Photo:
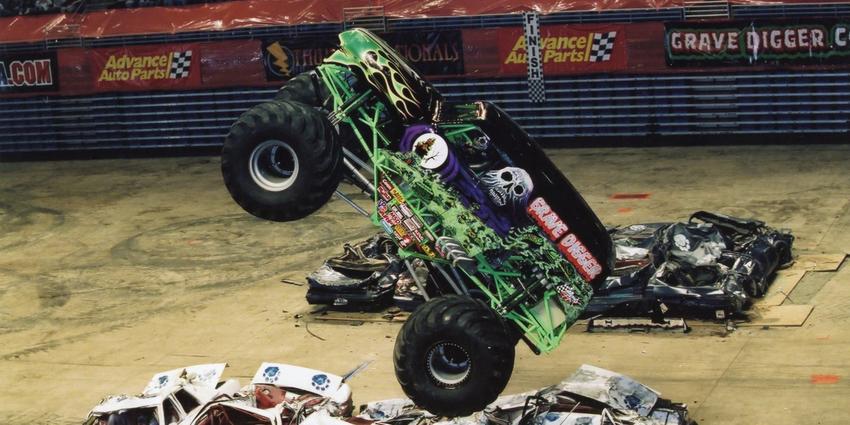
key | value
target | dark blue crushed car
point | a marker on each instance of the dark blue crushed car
(710, 267)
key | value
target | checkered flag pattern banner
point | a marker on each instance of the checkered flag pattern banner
(181, 63)
(536, 91)
(531, 30)
(603, 45)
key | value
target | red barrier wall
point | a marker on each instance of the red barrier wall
(486, 53)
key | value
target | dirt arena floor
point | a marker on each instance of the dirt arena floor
(112, 270)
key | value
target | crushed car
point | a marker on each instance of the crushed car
(711, 266)
(590, 396)
(282, 394)
(368, 276)
(279, 394)
(167, 398)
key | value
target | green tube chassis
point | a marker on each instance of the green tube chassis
(536, 272)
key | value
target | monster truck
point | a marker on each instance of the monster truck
(513, 246)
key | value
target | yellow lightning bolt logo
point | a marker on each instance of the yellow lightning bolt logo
(281, 59)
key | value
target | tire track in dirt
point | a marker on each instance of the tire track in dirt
(229, 239)
(22, 224)
(173, 268)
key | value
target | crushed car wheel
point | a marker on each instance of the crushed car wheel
(454, 355)
(281, 161)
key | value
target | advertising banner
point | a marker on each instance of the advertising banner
(29, 72)
(155, 67)
(432, 53)
(565, 49)
(232, 63)
(753, 43)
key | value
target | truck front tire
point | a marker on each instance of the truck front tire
(454, 356)
(281, 160)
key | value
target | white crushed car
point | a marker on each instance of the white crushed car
(590, 396)
(281, 394)
(167, 399)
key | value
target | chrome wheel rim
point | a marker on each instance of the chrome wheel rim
(273, 165)
(448, 364)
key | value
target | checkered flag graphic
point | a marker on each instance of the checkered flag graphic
(181, 63)
(603, 45)
(536, 91)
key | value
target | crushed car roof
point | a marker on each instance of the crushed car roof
(289, 376)
(197, 378)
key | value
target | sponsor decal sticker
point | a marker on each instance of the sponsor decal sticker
(271, 374)
(432, 150)
(399, 221)
(568, 294)
(320, 381)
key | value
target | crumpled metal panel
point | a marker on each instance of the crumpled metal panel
(591, 395)
(711, 265)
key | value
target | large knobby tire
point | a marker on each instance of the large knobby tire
(309, 89)
(281, 161)
(306, 88)
(454, 355)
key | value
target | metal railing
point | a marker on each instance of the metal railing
(587, 106)
(706, 9)
(370, 17)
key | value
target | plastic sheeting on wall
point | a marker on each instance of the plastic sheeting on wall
(255, 13)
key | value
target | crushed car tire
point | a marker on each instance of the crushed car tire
(281, 161)
(454, 355)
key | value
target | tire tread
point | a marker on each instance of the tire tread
(453, 315)
(319, 159)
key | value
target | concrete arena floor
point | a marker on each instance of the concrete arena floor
(112, 270)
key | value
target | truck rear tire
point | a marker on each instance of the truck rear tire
(454, 355)
(281, 161)
(306, 88)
